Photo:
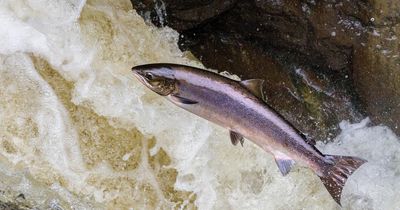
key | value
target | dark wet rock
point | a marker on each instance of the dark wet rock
(181, 14)
(313, 54)
(376, 65)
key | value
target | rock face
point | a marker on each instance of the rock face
(319, 58)
(376, 65)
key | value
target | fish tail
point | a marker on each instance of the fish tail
(336, 172)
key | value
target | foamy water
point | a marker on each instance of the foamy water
(80, 132)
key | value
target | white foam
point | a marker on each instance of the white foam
(376, 185)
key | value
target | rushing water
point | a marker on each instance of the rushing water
(77, 131)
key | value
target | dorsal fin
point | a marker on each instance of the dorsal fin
(255, 86)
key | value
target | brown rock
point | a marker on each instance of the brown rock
(311, 53)
(376, 65)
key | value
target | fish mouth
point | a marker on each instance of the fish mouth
(135, 70)
(137, 73)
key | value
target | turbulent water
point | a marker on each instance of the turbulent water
(77, 131)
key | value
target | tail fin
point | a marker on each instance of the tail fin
(336, 174)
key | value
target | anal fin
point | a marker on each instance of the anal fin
(284, 162)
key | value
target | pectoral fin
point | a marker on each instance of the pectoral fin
(284, 162)
(236, 138)
(181, 100)
(255, 86)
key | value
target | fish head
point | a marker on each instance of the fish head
(157, 77)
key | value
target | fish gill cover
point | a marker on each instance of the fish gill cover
(78, 132)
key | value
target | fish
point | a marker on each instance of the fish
(240, 106)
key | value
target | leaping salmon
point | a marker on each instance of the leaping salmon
(239, 106)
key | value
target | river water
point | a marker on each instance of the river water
(77, 131)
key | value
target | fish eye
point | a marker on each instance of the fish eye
(149, 76)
